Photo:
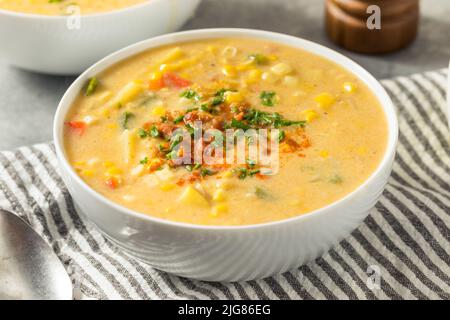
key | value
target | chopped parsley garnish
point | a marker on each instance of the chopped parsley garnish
(251, 163)
(126, 118)
(237, 124)
(154, 132)
(92, 86)
(175, 140)
(142, 133)
(244, 172)
(281, 136)
(259, 58)
(206, 172)
(191, 95)
(261, 118)
(178, 119)
(336, 179)
(268, 98)
(144, 161)
(262, 193)
(219, 96)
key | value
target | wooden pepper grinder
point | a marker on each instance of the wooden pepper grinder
(372, 26)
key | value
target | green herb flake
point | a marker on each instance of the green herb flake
(154, 132)
(191, 95)
(92, 86)
(336, 179)
(261, 193)
(142, 133)
(259, 58)
(144, 161)
(178, 119)
(206, 172)
(281, 136)
(268, 98)
(126, 118)
(251, 163)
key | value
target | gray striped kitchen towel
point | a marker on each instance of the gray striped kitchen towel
(401, 251)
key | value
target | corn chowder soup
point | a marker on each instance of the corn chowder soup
(65, 7)
(119, 137)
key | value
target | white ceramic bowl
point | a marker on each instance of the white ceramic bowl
(46, 44)
(227, 253)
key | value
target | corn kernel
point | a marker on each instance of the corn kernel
(310, 115)
(362, 151)
(219, 195)
(225, 184)
(245, 66)
(112, 171)
(233, 97)
(212, 49)
(325, 100)
(89, 120)
(167, 187)
(156, 75)
(290, 81)
(87, 173)
(104, 112)
(219, 209)
(282, 69)
(108, 164)
(253, 76)
(137, 171)
(79, 163)
(349, 87)
(128, 92)
(270, 77)
(324, 154)
(229, 71)
(159, 111)
(194, 197)
(172, 55)
(166, 67)
(227, 174)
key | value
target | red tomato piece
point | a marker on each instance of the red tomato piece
(172, 80)
(112, 182)
(78, 126)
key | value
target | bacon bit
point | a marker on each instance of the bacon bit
(154, 165)
(155, 85)
(195, 176)
(180, 182)
(239, 116)
(78, 126)
(166, 129)
(170, 79)
(112, 182)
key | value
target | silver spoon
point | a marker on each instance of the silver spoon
(29, 269)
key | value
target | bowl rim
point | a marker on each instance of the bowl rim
(178, 37)
(19, 14)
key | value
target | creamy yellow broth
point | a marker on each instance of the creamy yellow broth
(63, 7)
(338, 143)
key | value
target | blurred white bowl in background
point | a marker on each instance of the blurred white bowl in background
(54, 44)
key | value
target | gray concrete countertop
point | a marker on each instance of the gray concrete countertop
(28, 101)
